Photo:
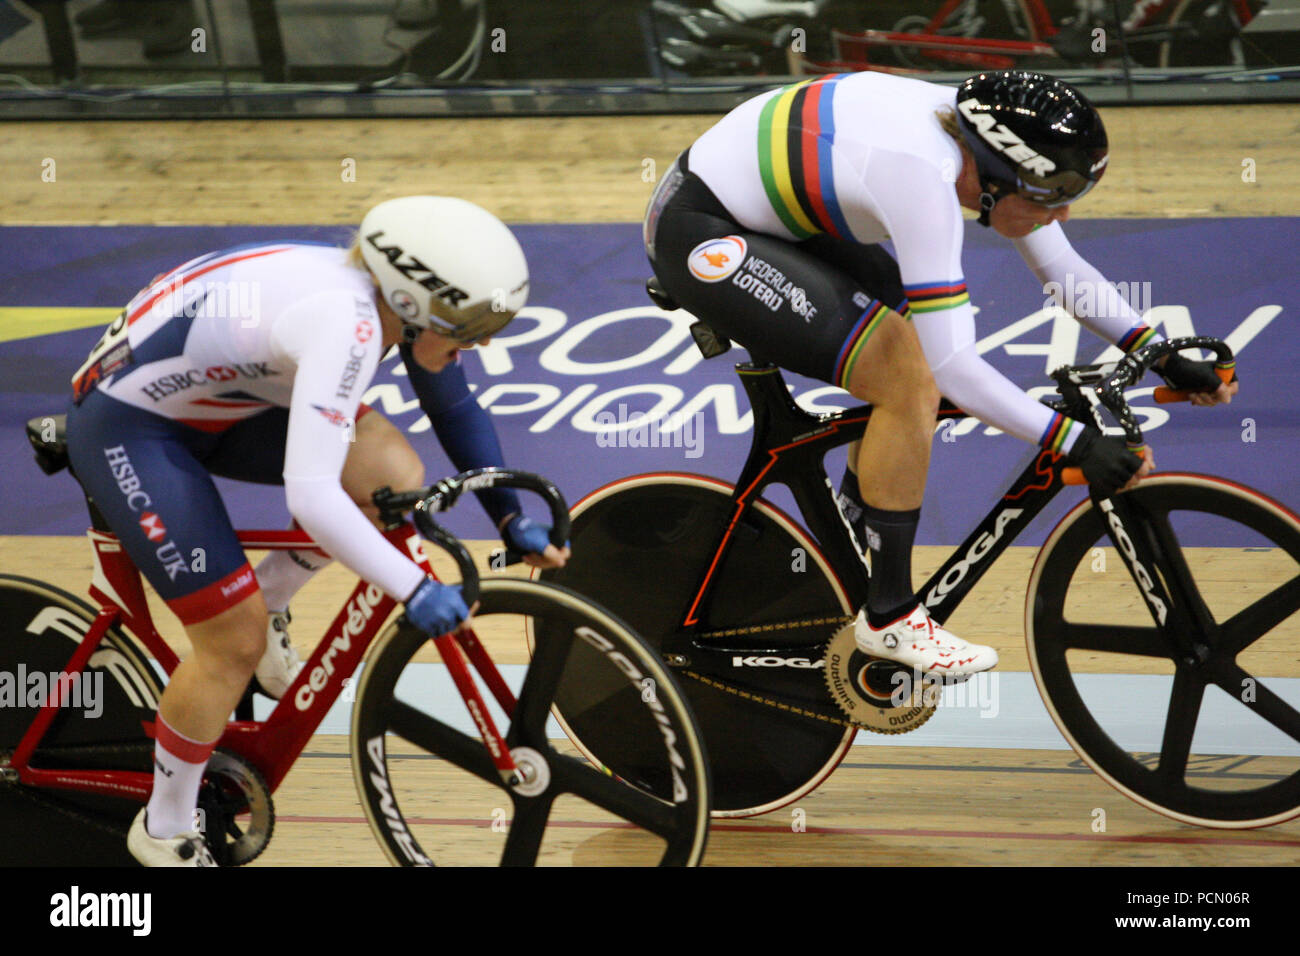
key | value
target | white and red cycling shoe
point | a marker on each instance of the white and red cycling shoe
(916, 641)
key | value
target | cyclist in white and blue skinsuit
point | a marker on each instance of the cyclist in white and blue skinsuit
(250, 363)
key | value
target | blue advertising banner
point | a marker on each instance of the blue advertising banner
(566, 382)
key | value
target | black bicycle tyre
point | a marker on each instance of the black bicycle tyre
(685, 814)
(1073, 538)
(91, 828)
(762, 758)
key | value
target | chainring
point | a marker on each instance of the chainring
(876, 694)
(234, 788)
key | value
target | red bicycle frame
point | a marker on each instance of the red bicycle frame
(274, 744)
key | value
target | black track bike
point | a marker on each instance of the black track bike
(1132, 624)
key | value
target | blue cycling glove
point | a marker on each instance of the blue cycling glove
(524, 534)
(436, 608)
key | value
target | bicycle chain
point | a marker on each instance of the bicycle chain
(838, 621)
(41, 801)
(779, 705)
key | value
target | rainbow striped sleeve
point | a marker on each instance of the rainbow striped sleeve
(1136, 337)
(1060, 434)
(796, 136)
(936, 296)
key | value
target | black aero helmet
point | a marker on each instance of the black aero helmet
(1031, 134)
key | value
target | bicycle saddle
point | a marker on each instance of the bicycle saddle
(52, 453)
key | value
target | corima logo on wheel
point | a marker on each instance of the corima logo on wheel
(714, 260)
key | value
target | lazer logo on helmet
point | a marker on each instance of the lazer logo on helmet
(418, 272)
(1003, 140)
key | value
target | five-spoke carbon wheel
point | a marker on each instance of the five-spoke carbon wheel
(412, 737)
(1199, 722)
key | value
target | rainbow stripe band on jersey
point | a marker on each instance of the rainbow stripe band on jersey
(796, 136)
(1136, 337)
(867, 323)
(936, 296)
(1057, 432)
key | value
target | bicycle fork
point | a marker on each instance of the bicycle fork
(458, 651)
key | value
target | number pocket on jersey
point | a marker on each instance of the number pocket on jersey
(110, 354)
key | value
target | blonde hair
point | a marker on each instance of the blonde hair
(357, 260)
(948, 120)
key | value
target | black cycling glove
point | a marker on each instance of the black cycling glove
(1188, 376)
(1106, 462)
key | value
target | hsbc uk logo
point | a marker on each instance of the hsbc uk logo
(132, 489)
(160, 388)
(152, 526)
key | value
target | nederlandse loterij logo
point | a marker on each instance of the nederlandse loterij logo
(715, 259)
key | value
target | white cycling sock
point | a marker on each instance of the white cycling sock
(178, 764)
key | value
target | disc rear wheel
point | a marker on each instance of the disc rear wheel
(100, 727)
(641, 548)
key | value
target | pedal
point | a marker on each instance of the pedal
(877, 694)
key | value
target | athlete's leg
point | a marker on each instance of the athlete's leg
(380, 456)
(893, 456)
(146, 479)
(195, 705)
(206, 685)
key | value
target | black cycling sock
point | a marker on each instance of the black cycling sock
(890, 535)
(851, 505)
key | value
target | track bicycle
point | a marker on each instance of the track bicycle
(72, 777)
(750, 609)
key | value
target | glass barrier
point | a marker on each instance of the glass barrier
(132, 57)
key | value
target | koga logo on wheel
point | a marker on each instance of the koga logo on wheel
(715, 259)
(676, 763)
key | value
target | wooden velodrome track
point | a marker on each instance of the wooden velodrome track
(886, 805)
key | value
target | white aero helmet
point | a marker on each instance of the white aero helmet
(446, 264)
